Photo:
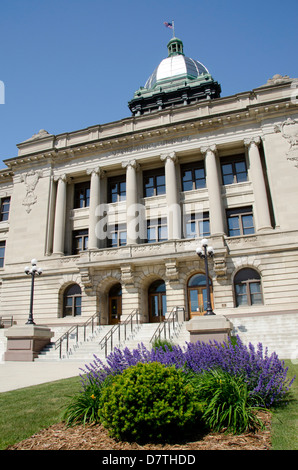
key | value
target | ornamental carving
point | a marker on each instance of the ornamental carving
(289, 130)
(31, 179)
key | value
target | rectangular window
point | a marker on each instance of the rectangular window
(197, 225)
(240, 221)
(157, 230)
(117, 235)
(117, 189)
(2, 253)
(233, 169)
(80, 241)
(4, 211)
(82, 195)
(154, 182)
(193, 176)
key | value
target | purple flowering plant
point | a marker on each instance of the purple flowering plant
(265, 375)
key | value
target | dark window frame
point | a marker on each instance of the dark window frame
(4, 211)
(76, 301)
(119, 193)
(2, 253)
(116, 229)
(79, 236)
(156, 187)
(240, 213)
(157, 224)
(82, 195)
(196, 219)
(247, 277)
(193, 167)
(233, 161)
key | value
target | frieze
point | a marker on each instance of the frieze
(240, 240)
(151, 146)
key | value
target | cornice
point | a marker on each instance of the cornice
(132, 132)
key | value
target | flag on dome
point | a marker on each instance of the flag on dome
(168, 25)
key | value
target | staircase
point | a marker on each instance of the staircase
(277, 332)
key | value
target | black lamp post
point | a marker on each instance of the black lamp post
(32, 272)
(204, 252)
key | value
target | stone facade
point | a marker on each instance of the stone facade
(52, 172)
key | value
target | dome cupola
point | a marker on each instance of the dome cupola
(177, 80)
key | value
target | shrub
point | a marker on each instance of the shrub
(265, 376)
(165, 344)
(148, 402)
(228, 403)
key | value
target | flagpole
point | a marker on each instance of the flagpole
(173, 28)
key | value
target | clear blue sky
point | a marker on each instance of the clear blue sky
(70, 64)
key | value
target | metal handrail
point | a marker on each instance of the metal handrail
(170, 323)
(116, 329)
(65, 337)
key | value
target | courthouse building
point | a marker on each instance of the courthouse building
(114, 212)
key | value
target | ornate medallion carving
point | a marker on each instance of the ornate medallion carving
(31, 179)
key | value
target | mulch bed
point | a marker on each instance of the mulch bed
(96, 437)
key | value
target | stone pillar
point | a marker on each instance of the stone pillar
(94, 202)
(132, 212)
(24, 342)
(214, 191)
(60, 212)
(261, 213)
(174, 212)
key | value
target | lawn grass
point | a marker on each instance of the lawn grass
(28, 410)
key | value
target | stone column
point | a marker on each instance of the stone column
(214, 191)
(174, 212)
(60, 212)
(261, 208)
(132, 212)
(94, 202)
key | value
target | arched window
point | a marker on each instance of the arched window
(72, 301)
(247, 283)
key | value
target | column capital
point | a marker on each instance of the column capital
(65, 178)
(171, 155)
(95, 171)
(208, 148)
(132, 163)
(252, 141)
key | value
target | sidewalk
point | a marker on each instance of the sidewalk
(14, 375)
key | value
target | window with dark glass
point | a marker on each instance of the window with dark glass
(193, 176)
(2, 253)
(157, 230)
(117, 235)
(234, 169)
(117, 189)
(154, 182)
(80, 241)
(4, 211)
(197, 225)
(72, 301)
(240, 221)
(247, 284)
(82, 195)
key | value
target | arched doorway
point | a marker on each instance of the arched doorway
(197, 294)
(115, 304)
(157, 300)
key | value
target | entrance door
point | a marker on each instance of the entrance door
(157, 301)
(197, 295)
(115, 304)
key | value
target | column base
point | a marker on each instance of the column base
(25, 342)
(209, 328)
